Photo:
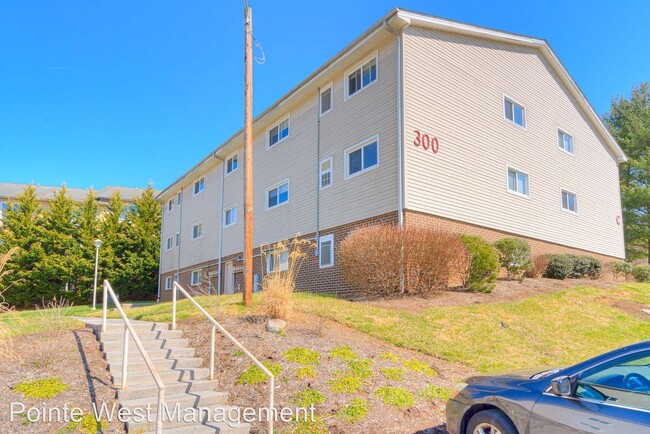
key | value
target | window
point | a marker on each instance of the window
(178, 239)
(518, 182)
(621, 382)
(326, 173)
(168, 282)
(170, 204)
(361, 77)
(278, 133)
(3, 208)
(326, 251)
(326, 100)
(196, 278)
(277, 261)
(197, 231)
(179, 197)
(199, 186)
(278, 195)
(361, 158)
(177, 277)
(169, 243)
(231, 164)
(230, 216)
(514, 112)
(565, 141)
(569, 201)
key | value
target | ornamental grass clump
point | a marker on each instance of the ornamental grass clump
(283, 260)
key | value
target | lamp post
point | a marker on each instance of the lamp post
(98, 244)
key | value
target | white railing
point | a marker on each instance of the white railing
(129, 330)
(216, 325)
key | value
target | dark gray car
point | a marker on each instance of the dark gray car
(608, 394)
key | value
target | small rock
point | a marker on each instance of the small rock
(275, 325)
(647, 311)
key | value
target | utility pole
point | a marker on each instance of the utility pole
(248, 156)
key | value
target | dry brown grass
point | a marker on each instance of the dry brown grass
(278, 286)
(540, 263)
(375, 258)
(7, 314)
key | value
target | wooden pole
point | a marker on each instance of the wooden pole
(248, 157)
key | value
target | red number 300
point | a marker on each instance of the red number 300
(426, 142)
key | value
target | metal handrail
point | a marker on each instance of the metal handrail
(215, 325)
(128, 329)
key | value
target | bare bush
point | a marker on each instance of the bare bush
(375, 259)
(8, 319)
(286, 258)
(538, 269)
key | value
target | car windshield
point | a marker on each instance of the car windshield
(546, 373)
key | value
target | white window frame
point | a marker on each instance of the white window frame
(225, 212)
(236, 157)
(270, 258)
(512, 122)
(564, 190)
(353, 148)
(274, 186)
(195, 225)
(360, 65)
(199, 273)
(515, 192)
(329, 87)
(169, 243)
(168, 283)
(198, 182)
(277, 124)
(573, 141)
(178, 239)
(323, 239)
(322, 172)
(179, 198)
(170, 205)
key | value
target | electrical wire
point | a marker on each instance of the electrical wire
(259, 60)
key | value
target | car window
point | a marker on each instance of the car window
(624, 382)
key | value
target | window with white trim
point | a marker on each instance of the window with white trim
(518, 182)
(326, 100)
(169, 243)
(178, 239)
(277, 261)
(196, 278)
(278, 133)
(230, 216)
(170, 204)
(361, 77)
(326, 251)
(197, 231)
(277, 195)
(569, 201)
(565, 141)
(231, 164)
(514, 112)
(168, 282)
(326, 173)
(362, 157)
(179, 198)
(199, 186)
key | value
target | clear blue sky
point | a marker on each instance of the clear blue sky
(99, 93)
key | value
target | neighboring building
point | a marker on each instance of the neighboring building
(10, 191)
(419, 121)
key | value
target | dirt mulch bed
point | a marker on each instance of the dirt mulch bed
(505, 291)
(74, 357)
(312, 332)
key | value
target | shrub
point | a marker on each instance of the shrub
(361, 368)
(346, 383)
(305, 371)
(435, 393)
(641, 273)
(254, 375)
(580, 265)
(421, 367)
(45, 388)
(302, 356)
(621, 269)
(539, 266)
(396, 374)
(397, 396)
(278, 287)
(308, 397)
(355, 411)
(483, 266)
(514, 255)
(375, 258)
(559, 267)
(344, 352)
(595, 269)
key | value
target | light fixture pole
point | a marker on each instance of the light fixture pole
(98, 244)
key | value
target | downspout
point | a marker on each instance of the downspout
(223, 178)
(162, 245)
(318, 180)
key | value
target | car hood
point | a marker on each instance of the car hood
(512, 378)
(528, 373)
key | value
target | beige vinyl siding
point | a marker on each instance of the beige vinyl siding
(170, 225)
(454, 90)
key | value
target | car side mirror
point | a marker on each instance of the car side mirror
(561, 386)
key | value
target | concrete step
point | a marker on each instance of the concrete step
(139, 326)
(154, 344)
(137, 366)
(118, 335)
(145, 378)
(205, 428)
(159, 354)
(171, 388)
(138, 425)
(185, 400)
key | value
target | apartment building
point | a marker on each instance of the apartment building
(419, 121)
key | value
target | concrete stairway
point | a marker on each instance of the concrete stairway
(186, 383)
